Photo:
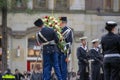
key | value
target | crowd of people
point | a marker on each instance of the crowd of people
(17, 75)
(33, 75)
(101, 62)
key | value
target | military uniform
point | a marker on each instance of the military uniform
(68, 36)
(111, 50)
(96, 59)
(82, 61)
(48, 38)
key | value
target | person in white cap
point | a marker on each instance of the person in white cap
(96, 60)
(82, 58)
(111, 50)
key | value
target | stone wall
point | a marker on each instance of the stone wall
(92, 25)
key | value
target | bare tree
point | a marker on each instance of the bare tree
(3, 6)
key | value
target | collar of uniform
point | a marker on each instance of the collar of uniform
(96, 49)
(64, 27)
(42, 28)
(110, 33)
(85, 48)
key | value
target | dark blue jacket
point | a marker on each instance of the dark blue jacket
(110, 43)
(82, 55)
(50, 35)
(95, 55)
(69, 36)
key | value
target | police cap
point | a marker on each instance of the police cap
(38, 23)
(64, 19)
(111, 23)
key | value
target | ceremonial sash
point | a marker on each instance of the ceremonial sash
(65, 33)
(42, 37)
(46, 41)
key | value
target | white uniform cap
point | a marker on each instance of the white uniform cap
(84, 37)
(95, 40)
(111, 23)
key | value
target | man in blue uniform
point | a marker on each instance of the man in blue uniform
(111, 50)
(96, 59)
(68, 36)
(82, 57)
(48, 38)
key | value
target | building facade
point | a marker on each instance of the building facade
(83, 18)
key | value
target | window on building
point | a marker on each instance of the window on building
(61, 4)
(19, 4)
(108, 5)
(40, 4)
(93, 4)
(33, 49)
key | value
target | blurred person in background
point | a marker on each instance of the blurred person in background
(37, 74)
(8, 75)
(18, 75)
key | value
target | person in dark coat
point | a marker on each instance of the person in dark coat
(36, 75)
(18, 75)
(96, 60)
(111, 50)
(82, 57)
(68, 36)
(48, 38)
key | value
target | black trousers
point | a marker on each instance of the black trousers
(83, 74)
(95, 71)
(111, 70)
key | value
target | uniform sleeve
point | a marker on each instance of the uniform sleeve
(37, 39)
(102, 46)
(55, 37)
(93, 56)
(70, 37)
(119, 43)
(79, 55)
